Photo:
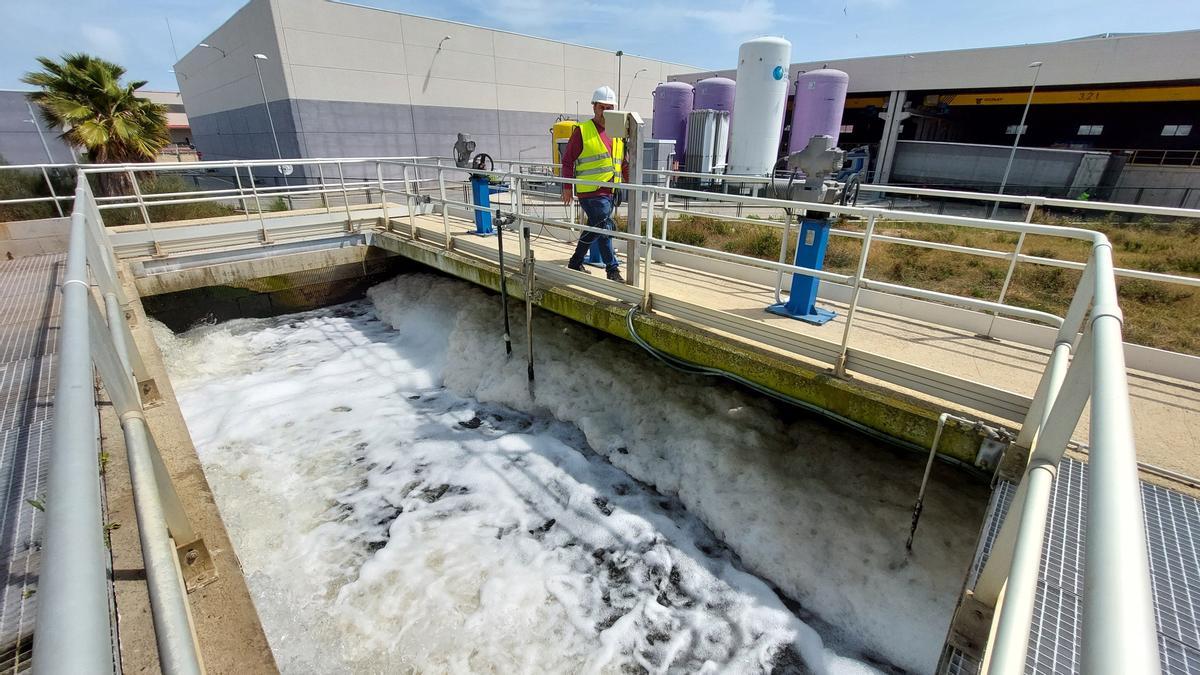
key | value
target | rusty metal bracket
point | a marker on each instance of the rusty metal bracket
(196, 565)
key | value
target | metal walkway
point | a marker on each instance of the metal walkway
(29, 306)
(1173, 536)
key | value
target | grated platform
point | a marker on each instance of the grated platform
(29, 307)
(1173, 537)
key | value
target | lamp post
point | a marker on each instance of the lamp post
(41, 136)
(208, 46)
(620, 54)
(639, 72)
(1037, 66)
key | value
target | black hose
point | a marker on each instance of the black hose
(696, 369)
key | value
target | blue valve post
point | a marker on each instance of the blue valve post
(810, 252)
(481, 195)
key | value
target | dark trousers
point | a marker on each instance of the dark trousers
(599, 215)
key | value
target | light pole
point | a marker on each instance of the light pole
(1037, 66)
(620, 54)
(41, 136)
(270, 119)
(639, 72)
(208, 46)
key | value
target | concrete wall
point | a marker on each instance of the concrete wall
(1037, 171)
(1157, 57)
(1159, 186)
(22, 238)
(19, 143)
(358, 81)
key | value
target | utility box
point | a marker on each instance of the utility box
(656, 156)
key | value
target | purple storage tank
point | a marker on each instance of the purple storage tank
(817, 110)
(672, 105)
(714, 93)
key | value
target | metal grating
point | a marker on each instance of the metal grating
(29, 309)
(1173, 537)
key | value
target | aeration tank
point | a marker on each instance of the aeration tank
(817, 110)
(672, 105)
(762, 86)
(714, 93)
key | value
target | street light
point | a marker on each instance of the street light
(208, 46)
(639, 72)
(1037, 66)
(270, 119)
(620, 54)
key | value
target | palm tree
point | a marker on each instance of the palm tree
(84, 95)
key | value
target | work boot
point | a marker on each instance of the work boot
(579, 268)
(614, 274)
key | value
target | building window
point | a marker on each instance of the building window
(847, 128)
(1176, 129)
(1091, 129)
(1016, 128)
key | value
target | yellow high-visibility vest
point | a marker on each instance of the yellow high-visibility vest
(595, 162)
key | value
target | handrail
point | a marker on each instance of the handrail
(73, 633)
(1119, 630)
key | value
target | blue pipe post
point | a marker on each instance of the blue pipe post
(481, 196)
(810, 252)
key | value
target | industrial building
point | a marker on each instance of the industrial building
(1125, 106)
(25, 139)
(345, 80)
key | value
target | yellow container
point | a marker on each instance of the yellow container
(560, 135)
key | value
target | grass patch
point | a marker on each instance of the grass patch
(1156, 314)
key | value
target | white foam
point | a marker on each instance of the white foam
(378, 532)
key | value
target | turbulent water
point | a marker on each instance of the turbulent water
(402, 502)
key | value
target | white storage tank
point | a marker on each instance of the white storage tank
(760, 101)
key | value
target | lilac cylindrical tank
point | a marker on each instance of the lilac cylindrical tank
(672, 105)
(714, 93)
(817, 110)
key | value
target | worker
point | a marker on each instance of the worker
(592, 155)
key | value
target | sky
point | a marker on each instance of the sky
(703, 33)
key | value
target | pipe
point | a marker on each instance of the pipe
(73, 634)
(1011, 644)
(503, 280)
(177, 652)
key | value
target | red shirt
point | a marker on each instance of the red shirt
(575, 146)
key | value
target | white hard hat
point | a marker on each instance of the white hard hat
(604, 94)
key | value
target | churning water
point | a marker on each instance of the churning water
(402, 501)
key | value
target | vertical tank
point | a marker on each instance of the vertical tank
(714, 93)
(672, 105)
(760, 101)
(817, 110)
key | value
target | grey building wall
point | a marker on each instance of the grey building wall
(1176, 186)
(1035, 171)
(348, 81)
(19, 143)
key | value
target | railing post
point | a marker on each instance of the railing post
(666, 209)
(387, 222)
(141, 204)
(442, 193)
(345, 197)
(1012, 266)
(237, 176)
(321, 178)
(409, 187)
(50, 186)
(262, 222)
(839, 368)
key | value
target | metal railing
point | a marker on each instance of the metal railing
(73, 632)
(1084, 368)
(1087, 364)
